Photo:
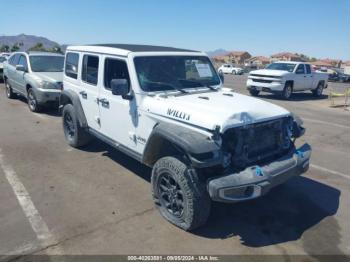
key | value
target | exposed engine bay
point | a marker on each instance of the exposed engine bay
(256, 143)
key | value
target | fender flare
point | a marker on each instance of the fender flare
(199, 149)
(69, 97)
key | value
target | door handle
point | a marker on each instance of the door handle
(83, 94)
(104, 102)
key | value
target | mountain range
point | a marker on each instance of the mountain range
(26, 41)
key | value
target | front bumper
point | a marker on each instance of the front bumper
(274, 86)
(47, 95)
(256, 181)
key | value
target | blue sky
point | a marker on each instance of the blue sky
(319, 28)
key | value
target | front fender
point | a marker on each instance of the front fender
(69, 97)
(201, 150)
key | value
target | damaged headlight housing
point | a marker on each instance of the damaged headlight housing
(298, 128)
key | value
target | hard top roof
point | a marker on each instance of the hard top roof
(144, 48)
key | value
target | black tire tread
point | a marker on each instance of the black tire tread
(198, 200)
(82, 137)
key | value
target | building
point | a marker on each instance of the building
(346, 67)
(322, 64)
(285, 56)
(257, 61)
(334, 62)
(238, 57)
(233, 57)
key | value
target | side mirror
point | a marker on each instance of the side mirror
(221, 75)
(120, 87)
(20, 68)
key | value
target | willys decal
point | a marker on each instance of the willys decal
(178, 114)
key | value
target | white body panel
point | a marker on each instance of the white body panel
(274, 80)
(130, 122)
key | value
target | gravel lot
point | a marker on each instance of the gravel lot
(98, 201)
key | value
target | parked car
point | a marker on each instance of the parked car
(284, 78)
(2, 61)
(338, 76)
(229, 69)
(167, 108)
(36, 76)
(6, 55)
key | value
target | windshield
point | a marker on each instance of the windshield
(163, 73)
(282, 67)
(2, 59)
(46, 63)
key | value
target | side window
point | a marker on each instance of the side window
(14, 59)
(23, 61)
(115, 69)
(72, 61)
(308, 69)
(300, 69)
(89, 72)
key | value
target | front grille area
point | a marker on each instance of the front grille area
(257, 142)
(267, 76)
(262, 80)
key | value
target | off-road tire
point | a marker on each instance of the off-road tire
(75, 135)
(254, 92)
(33, 104)
(287, 91)
(196, 201)
(8, 90)
(318, 91)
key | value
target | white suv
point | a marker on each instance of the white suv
(166, 107)
(229, 69)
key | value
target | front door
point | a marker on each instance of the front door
(118, 115)
(300, 77)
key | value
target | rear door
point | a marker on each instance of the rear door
(309, 79)
(299, 78)
(11, 70)
(19, 76)
(82, 77)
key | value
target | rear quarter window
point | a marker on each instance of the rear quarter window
(72, 65)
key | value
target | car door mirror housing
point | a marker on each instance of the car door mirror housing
(21, 68)
(120, 87)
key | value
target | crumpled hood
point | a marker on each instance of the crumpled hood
(269, 72)
(210, 109)
(50, 76)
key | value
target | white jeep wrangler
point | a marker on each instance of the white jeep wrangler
(167, 108)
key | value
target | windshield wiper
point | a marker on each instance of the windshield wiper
(174, 87)
(199, 83)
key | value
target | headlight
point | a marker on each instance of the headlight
(48, 85)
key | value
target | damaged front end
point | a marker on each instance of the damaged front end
(255, 143)
(257, 157)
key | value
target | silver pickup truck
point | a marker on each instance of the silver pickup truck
(36, 76)
(284, 78)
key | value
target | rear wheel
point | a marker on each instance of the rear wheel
(319, 90)
(179, 195)
(32, 101)
(75, 135)
(9, 92)
(287, 91)
(254, 92)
